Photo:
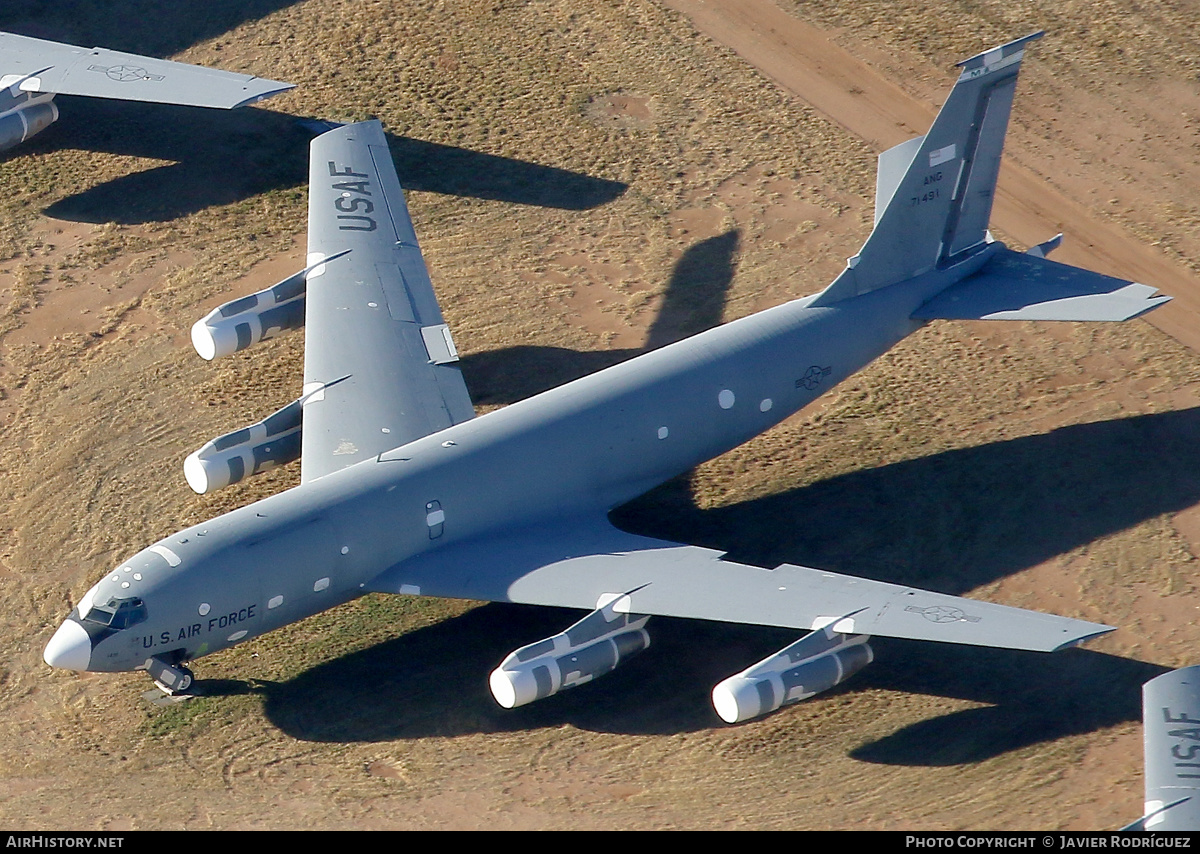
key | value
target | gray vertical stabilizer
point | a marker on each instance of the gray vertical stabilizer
(939, 207)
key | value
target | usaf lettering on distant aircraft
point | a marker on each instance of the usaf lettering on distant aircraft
(1184, 752)
(214, 624)
(350, 204)
(1171, 735)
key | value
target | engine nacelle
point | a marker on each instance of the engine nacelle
(813, 664)
(23, 122)
(590, 648)
(238, 324)
(274, 441)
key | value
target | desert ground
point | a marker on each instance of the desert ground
(590, 179)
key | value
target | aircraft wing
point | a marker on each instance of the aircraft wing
(379, 363)
(1171, 731)
(68, 70)
(1024, 286)
(587, 564)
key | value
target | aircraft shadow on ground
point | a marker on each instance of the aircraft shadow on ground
(147, 27)
(1029, 698)
(433, 683)
(956, 520)
(1025, 499)
(219, 157)
(693, 301)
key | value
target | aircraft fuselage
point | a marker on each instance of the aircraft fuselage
(596, 442)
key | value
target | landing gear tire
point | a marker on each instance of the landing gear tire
(186, 678)
(172, 679)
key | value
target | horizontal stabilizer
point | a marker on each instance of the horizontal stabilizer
(1043, 249)
(1023, 286)
(577, 565)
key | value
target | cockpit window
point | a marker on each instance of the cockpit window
(118, 613)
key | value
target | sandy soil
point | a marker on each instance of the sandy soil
(589, 179)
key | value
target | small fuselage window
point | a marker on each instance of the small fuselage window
(118, 613)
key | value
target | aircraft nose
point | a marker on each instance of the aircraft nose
(70, 648)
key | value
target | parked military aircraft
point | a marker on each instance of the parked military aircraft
(404, 491)
(33, 71)
(1171, 736)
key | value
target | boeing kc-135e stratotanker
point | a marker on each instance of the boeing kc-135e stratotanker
(403, 490)
(33, 71)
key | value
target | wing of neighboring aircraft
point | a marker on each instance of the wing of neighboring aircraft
(1027, 286)
(1171, 732)
(587, 564)
(379, 362)
(64, 69)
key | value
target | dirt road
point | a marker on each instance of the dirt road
(805, 61)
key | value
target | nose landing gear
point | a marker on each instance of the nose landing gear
(174, 680)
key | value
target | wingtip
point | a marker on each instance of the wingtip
(1151, 304)
(263, 89)
(1095, 631)
(370, 129)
